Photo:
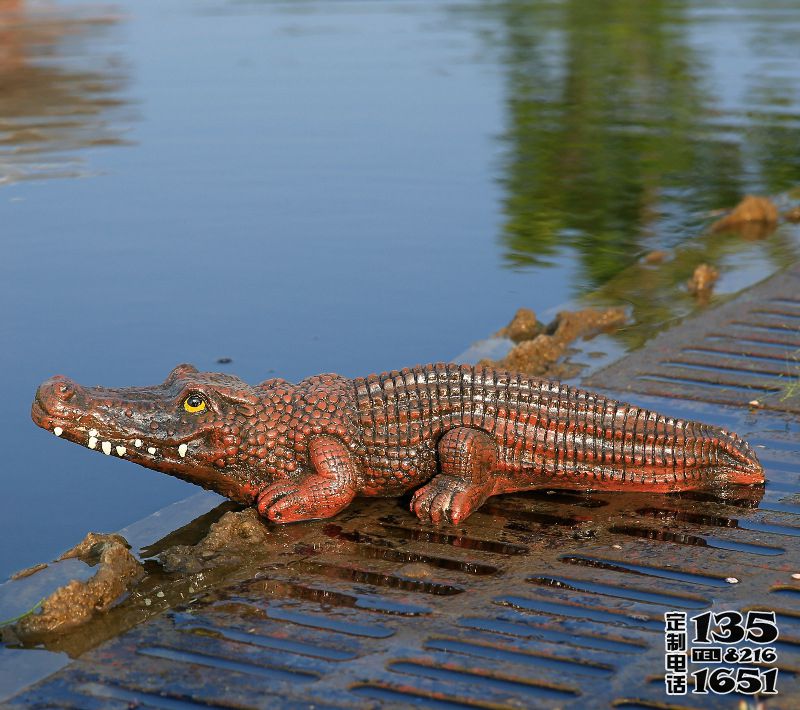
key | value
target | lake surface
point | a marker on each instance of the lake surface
(350, 187)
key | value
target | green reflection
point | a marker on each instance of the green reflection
(616, 143)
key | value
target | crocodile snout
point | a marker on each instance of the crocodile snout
(56, 392)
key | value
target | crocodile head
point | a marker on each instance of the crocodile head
(189, 426)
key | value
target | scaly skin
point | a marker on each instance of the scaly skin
(304, 451)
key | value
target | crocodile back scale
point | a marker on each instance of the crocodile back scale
(455, 433)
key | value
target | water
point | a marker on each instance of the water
(349, 186)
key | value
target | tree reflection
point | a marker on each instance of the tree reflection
(60, 90)
(614, 143)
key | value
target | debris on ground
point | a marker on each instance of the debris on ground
(77, 602)
(523, 326)
(703, 279)
(229, 541)
(540, 354)
(754, 217)
(415, 570)
(28, 571)
(655, 257)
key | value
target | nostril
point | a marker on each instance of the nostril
(65, 391)
(57, 389)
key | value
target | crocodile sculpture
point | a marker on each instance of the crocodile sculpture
(304, 451)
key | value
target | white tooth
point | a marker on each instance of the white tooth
(92, 442)
(106, 446)
(182, 450)
(121, 451)
(92, 432)
(137, 443)
(58, 431)
(151, 449)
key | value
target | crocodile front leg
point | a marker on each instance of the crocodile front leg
(321, 494)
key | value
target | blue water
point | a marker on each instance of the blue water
(339, 186)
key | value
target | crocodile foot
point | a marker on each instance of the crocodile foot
(447, 499)
(288, 501)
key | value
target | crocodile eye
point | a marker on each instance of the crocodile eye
(194, 404)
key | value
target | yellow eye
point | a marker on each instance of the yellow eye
(194, 404)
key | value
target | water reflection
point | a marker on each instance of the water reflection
(60, 88)
(619, 139)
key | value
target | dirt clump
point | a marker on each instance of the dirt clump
(77, 602)
(754, 217)
(792, 215)
(229, 541)
(523, 326)
(703, 279)
(655, 257)
(540, 354)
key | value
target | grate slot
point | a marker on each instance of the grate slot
(713, 364)
(778, 507)
(504, 654)
(416, 697)
(379, 579)
(689, 380)
(695, 540)
(742, 352)
(582, 612)
(645, 570)
(665, 514)
(509, 511)
(251, 638)
(532, 631)
(442, 538)
(323, 595)
(777, 312)
(561, 497)
(374, 548)
(756, 338)
(768, 327)
(216, 662)
(788, 301)
(634, 594)
(496, 681)
(144, 699)
(318, 621)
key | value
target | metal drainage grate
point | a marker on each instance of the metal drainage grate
(747, 349)
(547, 600)
(551, 599)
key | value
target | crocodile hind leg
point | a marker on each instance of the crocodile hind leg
(467, 459)
(321, 494)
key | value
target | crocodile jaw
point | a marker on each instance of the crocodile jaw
(102, 420)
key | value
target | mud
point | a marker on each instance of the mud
(754, 218)
(702, 281)
(229, 542)
(542, 353)
(523, 326)
(77, 602)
